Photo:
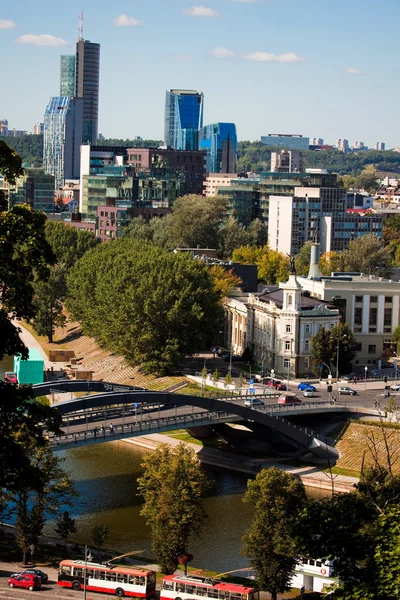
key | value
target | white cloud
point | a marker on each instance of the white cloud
(222, 53)
(353, 71)
(4, 24)
(286, 57)
(125, 21)
(179, 57)
(200, 11)
(44, 39)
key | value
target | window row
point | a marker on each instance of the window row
(206, 592)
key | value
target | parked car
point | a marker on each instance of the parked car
(305, 385)
(28, 581)
(288, 399)
(395, 388)
(10, 377)
(41, 574)
(308, 393)
(347, 391)
(253, 402)
(350, 376)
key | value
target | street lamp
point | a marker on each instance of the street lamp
(337, 358)
(88, 557)
(365, 380)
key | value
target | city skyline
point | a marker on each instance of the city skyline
(269, 65)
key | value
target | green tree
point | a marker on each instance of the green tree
(65, 527)
(215, 375)
(173, 487)
(368, 255)
(99, 534)
(320, 352)
(228, 378)
(33, 506)
(258, 233)
(330, 262)
(271, 540)
(302, 260)
(367, 180)
(232, 235)
(196, 221)
(138, 229)
(272, 266)
(68, 243)
(10, 163)
(48, 299)
(25, 255)
(151, 306)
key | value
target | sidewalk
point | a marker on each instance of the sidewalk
(310, 476)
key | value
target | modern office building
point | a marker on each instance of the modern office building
(286, 161)
(62, 136)
(34, 187)
(183, 119)
(282, 140)
(189, 163)
(87, 76)
(219, 140)
(67, 75)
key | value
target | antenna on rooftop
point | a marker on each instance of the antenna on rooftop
(80, 27)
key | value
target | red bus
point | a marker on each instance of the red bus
(120, 581)
(175, 587)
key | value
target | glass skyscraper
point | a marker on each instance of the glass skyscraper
(87, 75)
(62, 138)
(67, 75)
(183, 119)
(220, 142)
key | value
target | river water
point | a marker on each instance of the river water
(105, 477)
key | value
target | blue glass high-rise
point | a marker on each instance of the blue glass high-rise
(183, 119)
(220, 142)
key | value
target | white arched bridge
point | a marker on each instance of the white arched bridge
(117, 412)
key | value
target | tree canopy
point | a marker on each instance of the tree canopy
(324, 348)
(173, 486)
(271, 540)
(272, 266)
(149, 305)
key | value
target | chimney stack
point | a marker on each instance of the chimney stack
(314, 272)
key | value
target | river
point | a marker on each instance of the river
(105, 477)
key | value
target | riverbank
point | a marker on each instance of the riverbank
(310, 476)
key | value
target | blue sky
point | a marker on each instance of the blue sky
(324, 68)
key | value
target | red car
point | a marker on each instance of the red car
(289, 399)
(27, 581)
(10, 377)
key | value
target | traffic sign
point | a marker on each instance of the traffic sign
(251, 381)
(135, 405)
(252, 389)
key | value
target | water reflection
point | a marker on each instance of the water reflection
(106, 476)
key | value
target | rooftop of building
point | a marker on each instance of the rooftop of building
(275, 295)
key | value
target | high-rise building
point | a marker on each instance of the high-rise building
(67, 75)
(219, 140)
(380, 146)
(3, 127)
(62, 138)
(284, 140)
(38, 128)
(87, 75)
(342, 145)
(183, 119)
(316, 142)
(34, 187)
(286, 161)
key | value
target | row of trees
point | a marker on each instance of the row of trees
(198, 221)
(359, 531)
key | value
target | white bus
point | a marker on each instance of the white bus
(175, 587)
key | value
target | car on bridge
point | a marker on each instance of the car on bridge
(10, 377)
(288, 399)
(253, 402)
(304, 385)
(308, 393)
(347, 391)
(396, 387)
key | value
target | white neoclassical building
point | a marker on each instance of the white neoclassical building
(277, 325)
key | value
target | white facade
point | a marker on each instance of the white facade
(280, 223)
(286, 161)
(370, 306)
